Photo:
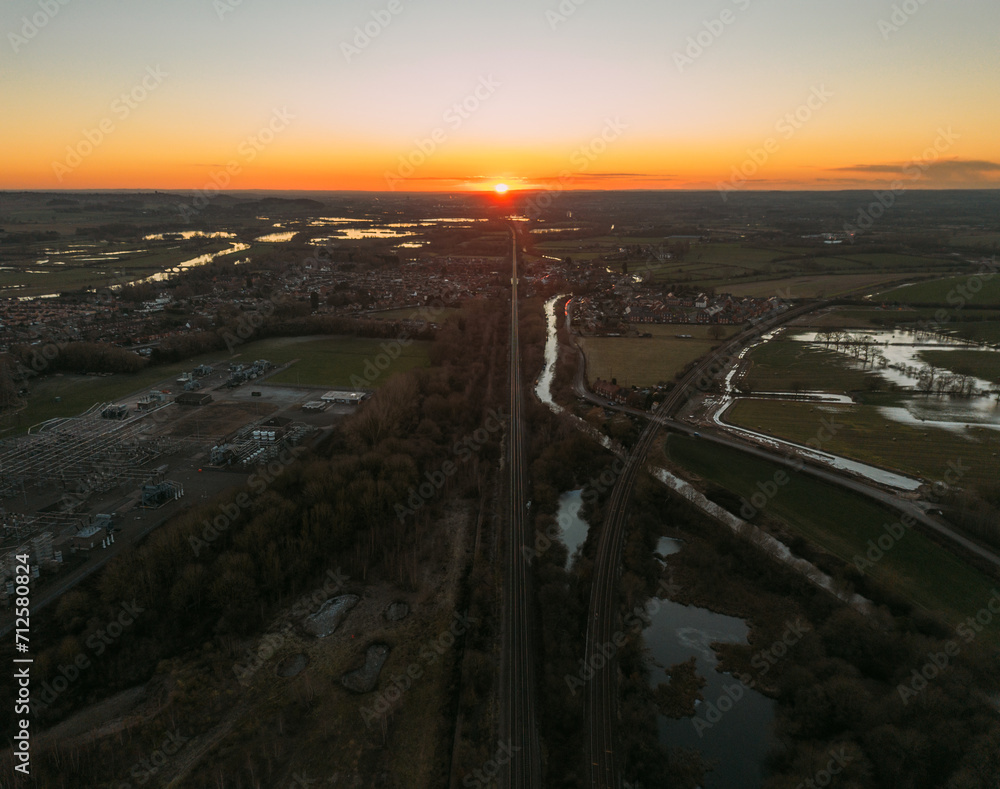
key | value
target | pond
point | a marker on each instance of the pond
(572, 528)
(736, 742)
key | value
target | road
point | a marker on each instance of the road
(602, 690)
(828, 474)
(518, 727)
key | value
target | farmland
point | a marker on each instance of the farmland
(864, 434)
(637, 361)
(787, 365)
(63, 271)
(981, 364)
(957, 292)
(333, 361)
(842, 523)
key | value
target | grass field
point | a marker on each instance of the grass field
(863, 434)
(333, 361)
(969, 290)
(970, 324)
(842, 523)
(786, 365)
(647, 361)
(981, 364)
(77, 393)
(855, 318)
(818, 286)
(323, 361)
(976, 331)
(984, 241)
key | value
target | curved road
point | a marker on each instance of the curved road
(602, 613)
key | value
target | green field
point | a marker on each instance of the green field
(77, 393)
(333, 361)
(983, 241)
(976, 331)
(863, 434)
(981, 364)
(637, 361)
(323, 361)
(810, 287)
(973, 289)
(787, 365)
(842, 523)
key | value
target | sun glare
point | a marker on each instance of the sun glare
(501, 188)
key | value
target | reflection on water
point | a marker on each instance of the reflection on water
(276, 237)
(895, 353)
(201, 260)
(668, 546)
(186, 234)
(896, 356)
(737, 742)
(572, 528)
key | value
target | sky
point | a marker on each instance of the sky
(413, 95)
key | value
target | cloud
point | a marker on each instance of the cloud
(945, 170)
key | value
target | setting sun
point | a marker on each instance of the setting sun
(501, 188)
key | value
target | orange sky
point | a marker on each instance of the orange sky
(444, 95)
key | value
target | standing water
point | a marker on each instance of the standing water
(731, 728)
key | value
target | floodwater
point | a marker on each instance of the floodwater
(186, 234)
(901, 351)
(903, 363)
(735, 742)
(286, 235)
(572, 528)
(201, 260)
(543, 389)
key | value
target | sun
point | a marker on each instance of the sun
(501, 189)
